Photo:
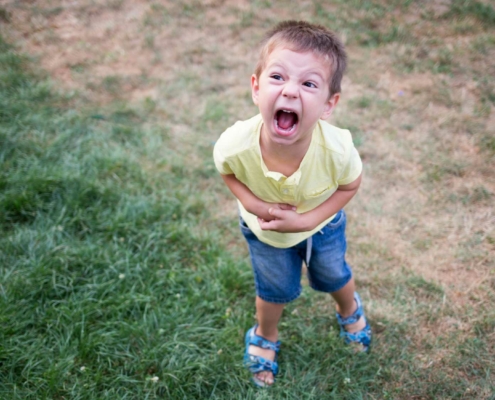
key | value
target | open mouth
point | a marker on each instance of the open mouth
(286, 120)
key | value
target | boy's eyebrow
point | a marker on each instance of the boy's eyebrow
(275, 64)
(321, 75)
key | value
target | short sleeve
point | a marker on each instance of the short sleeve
(352, 169)
(220, 161)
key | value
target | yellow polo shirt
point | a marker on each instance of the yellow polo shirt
(331, 160)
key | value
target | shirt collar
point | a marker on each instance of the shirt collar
(277, 176)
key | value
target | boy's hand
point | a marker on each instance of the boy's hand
(265, 215)
(284, 220)
(281, 206)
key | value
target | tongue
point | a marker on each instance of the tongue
(286, 120)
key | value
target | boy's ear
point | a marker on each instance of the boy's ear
(255, 88)
(330, 105)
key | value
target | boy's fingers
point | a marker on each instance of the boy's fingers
(268, 225)
(274, 212)
(287, 207)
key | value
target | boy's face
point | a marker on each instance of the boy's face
(292, 94)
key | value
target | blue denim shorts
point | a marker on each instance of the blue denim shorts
(277, 272)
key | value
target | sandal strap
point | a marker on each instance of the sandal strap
(355, 316)
(253, 339)
(256, 364)
(362, 337)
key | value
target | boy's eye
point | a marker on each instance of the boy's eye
(277, 77)
(309, 84)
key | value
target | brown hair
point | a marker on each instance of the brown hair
(303, 36)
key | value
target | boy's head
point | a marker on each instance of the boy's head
(301, 36)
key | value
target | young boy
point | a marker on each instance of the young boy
(292, 173)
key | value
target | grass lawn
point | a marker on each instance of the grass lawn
(122, 271)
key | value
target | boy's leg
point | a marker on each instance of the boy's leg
(268, 315)
(329, 272)
(277, 276)
(346, 306)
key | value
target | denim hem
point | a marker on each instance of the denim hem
(319, 289)
(279, 301)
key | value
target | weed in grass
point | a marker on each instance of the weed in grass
(365, 28)
(157, 17)
(396, 33)
(149, 41)
(78, 68)
(246, 19)
(112, 84)
(371, 8)
(488, 92)
(384, 108)
(4, 15)
(195, 55)
(219, 63)
(358, 136)
(115, 4)
(361, 102)
(442, 61)
(321, 14)
(263, 4)
(4, 47)
(436, 172)
(487, 143)
(409, 57)
(192, 8)
(480, 194)
(148, 105)
(485, 326)
(483, 43)
(464, 26)
(426, 288)
(484, 13)
(422, 244)
(122, 114)
(126, 134)
(407, 127)
(46, 13)
(472, 251)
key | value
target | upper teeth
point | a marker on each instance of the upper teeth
(287, 111)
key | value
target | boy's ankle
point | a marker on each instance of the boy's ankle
(347, 313)
(271, 336)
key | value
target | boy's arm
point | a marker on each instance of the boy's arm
(250, 202)
(291, 221)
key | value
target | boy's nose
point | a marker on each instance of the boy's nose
(290, 90)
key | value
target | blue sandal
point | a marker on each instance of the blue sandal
(256, 364)
(362, 337)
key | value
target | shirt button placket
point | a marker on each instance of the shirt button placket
(287, 193)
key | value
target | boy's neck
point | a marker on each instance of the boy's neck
(283, 159)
